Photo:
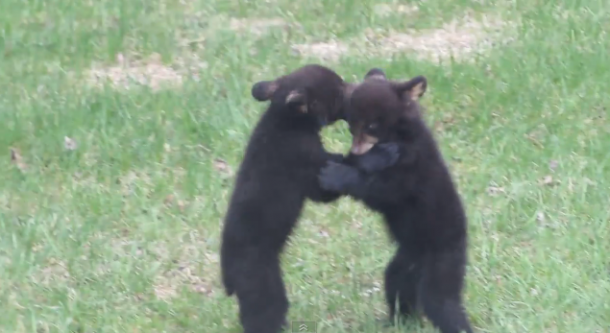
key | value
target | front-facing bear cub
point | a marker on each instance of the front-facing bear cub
(278, 172)
(416, 196)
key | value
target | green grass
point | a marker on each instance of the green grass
(122, 234)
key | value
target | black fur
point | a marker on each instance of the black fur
(278, 172)
(417, 198)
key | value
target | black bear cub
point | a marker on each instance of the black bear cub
(416, 196)
(279, 171)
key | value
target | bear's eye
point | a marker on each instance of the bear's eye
(373, 126)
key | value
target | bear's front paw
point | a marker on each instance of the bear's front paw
(335, 177)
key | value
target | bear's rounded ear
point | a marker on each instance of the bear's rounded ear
(263, 90)
(298, 98)
(375, 73)
(411, 90)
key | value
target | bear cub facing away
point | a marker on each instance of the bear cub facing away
(416, 196)
(279, 171)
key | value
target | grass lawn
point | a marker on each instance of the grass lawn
(122, 124)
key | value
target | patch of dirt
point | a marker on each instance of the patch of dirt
(371, 288)
(222, 167)
(197, 27)
(167, 285)
(55, 271)
(195, 268)
(17, 159)
(69, 143)
(256, 26)
(150, 72)
(191, 264)
(329, 51)
(385, 10)
(460, 38)
(134, 179)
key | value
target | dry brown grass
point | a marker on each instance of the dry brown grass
(257, 26)
(460, 39)
(329, 51)
(195, 268)
(384, 9)
(151, 72)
